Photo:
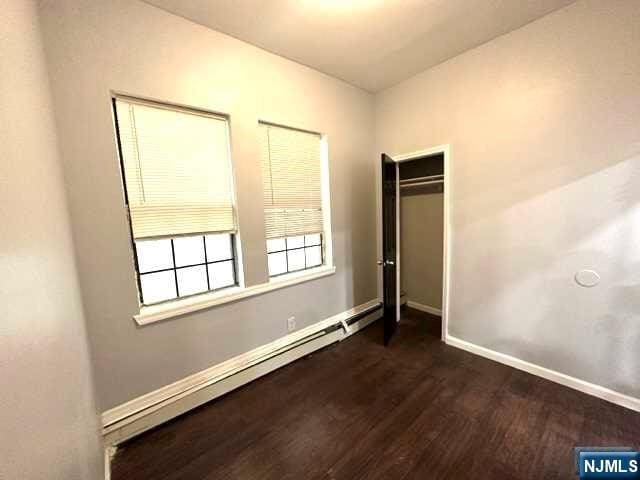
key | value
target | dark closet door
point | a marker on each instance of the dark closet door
(388, 262)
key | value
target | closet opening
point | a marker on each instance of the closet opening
(415, 242)
(420, 246)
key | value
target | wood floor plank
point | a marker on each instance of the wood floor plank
(359, 410)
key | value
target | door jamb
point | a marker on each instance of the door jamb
(446, 237)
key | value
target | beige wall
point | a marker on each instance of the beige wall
(94, 48)
(421, 230)
(544, 129)
(48, 416)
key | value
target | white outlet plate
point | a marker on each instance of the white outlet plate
(291, 324)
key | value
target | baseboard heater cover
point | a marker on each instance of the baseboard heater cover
(138, 415)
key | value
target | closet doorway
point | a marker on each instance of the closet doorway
(415, 217)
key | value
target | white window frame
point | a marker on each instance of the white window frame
(149, 314)
(326, 201)
(327, 239)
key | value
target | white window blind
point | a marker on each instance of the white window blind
(291, 173)
(177, 170)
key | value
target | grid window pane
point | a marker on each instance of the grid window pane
(219, 247)
(276, 245)
(202, 263)
(188, 251)
(314, 239)
(313, 256)
(192, 280)
(157, 287)
(295, 242)
(294, 253)
(295, 260)
(277, 263)
(154, 255)
(221, 274)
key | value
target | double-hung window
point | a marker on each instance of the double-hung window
(179, 192)
(292, 173)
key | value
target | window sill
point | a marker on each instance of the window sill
(156, 313)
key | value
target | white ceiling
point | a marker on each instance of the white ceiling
(373, 44)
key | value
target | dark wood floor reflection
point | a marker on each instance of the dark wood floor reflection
(357, 410)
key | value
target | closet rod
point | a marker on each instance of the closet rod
(430, 177)
(419, 184)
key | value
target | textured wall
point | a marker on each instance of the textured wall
(544, 128)
(94, 48)
(48, 415)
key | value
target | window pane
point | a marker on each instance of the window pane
(295, 242)
(314, 256)
(154, 255)
(157, 287)
(312, 239)
(192, 280)
(219, 247)
(276, 244)
(188, 251)
(221, 274)
(295, 258)
(277, 263)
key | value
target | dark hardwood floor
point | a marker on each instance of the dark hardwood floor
(356, 410)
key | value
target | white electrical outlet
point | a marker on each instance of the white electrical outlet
(291, 324)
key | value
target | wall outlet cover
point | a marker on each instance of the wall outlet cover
(291, 324)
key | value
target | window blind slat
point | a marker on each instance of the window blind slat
(177, 171)
(291, 181)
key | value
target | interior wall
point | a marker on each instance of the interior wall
(421, 237)
(47, 407)
(94, 48)
(544, 129)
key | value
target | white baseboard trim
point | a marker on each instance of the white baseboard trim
(424, 308)
(131, 418)
(603, 393)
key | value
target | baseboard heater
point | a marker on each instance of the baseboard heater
(132, 418)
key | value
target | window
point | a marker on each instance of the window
(179, 193)
(292, 182)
